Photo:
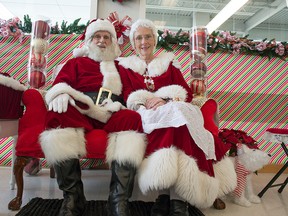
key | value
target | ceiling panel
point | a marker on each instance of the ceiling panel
(174, 14)
(56, 10)
(255, 17)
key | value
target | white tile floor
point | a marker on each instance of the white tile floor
(96, 183)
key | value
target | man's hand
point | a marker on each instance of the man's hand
(155, 102)
(60, 103)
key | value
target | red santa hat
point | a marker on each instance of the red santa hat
(94, 26)
(143, 23)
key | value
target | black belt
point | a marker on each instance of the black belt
(94, 96)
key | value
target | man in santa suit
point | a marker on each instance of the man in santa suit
(72, 113)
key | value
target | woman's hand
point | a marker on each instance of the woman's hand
(155, 102)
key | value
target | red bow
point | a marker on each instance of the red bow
(10, 28)
(122, 27)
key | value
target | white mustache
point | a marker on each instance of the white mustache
(101, 44)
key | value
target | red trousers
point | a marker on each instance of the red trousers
(120, 121)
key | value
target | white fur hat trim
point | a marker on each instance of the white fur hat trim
(100, 25)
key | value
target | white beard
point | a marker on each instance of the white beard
(108, 54)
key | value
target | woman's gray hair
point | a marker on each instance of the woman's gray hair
(143, 23)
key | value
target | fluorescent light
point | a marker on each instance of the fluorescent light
(169, 2)
(224, 14)
(5, 13)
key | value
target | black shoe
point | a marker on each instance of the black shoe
(178, 208)
(161, 206)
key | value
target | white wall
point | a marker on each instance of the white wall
(133, 8)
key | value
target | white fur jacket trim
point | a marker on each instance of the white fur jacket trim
(96, 112)
(12, 83)
(138, 98)
(156, 67)
(111, 79)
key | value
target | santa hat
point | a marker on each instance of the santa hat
(143, 23)
(94, 26)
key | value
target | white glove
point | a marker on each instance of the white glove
(60, 103)
(112, 106)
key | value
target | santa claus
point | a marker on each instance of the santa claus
(88, 78)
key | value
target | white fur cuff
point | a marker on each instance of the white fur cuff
(159, 170)
(173, 92)
(62, 144)
(198, 188)
(126, 147)
(138, 98)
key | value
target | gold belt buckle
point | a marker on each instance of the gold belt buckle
(103, 94)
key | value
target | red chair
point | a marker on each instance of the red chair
(31, 124)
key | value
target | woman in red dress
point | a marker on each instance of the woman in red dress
(179, 156)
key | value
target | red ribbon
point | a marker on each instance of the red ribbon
(10, 28)
(122, 27)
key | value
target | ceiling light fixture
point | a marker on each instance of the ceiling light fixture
(224, 14)
(170, 3)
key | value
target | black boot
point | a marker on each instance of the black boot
(161, 206)
(121, 187)
(178, 208)
(68, 175)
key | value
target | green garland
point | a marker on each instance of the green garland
(166, 38)
(64, 28)
(222, 41)
(228, 42)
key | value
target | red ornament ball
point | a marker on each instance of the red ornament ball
(37, 79)
(41, 29)
(38, 60)
(198, 86)
(198, 69)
